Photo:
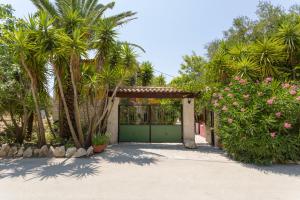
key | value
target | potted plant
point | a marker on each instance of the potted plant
(100, 142)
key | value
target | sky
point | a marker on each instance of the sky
(170, 29)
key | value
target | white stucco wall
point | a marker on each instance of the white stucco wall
(112, 122)
(188, 123)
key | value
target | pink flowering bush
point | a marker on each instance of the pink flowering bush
(260, 122)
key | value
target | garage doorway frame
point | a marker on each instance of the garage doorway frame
(150, 123)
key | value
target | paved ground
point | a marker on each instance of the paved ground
(147, 171)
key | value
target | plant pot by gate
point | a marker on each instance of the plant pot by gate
(99, 148)
(100, 142)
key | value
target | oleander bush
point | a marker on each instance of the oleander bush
(259, 122)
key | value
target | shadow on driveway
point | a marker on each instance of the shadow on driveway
(130, 154)
(45, 168)
(287, 169)
(137, 154)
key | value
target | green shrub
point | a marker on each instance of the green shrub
(259, 122)
(100, 139)
(69, 143)
(6, 138)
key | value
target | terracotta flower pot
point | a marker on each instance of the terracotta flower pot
(99, 148)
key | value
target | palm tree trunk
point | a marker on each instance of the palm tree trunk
(107, 106)
(87, 108)
(68, 94)
(25, 119)
(75, 63)
(41, 135)
(74, 136)
(29, 126)
(17, 129)
(49, 123)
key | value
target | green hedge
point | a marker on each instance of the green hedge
(259, 122)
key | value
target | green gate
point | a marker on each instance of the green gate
(150, 123)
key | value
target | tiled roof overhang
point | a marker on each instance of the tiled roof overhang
(152, 92)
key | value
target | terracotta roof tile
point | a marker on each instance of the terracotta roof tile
(153, 92)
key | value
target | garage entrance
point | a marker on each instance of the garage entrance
(138, 115)
(150, 123)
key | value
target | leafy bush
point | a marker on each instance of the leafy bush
(259, 122)
(50, 139)
(100, 139)
(6, 138)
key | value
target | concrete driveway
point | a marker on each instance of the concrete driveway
(144, 172)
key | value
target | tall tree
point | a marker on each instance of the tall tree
(145, 74)
(289, 34)
(268, 53)
(22, 42)
(70, 16)
(159, 81)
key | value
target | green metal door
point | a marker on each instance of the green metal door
(149, 123)
(134, 124)
(165, 124)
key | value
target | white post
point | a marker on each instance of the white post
(113, 120)
(188, 123)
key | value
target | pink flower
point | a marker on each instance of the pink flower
(216, 104)
(243, 110)
(285, 85)
(237, 78)
(230, 84)
(287, 125)
(227, 89)
(230, 95)
(298, 98)
(293, 87)
(273, 134)
(246, 96)
(268, 80)
(278, 114)
(224, 108)
(220, 96)
(243, 81)
(270, 101)
(235, 103)
(230, 120)
(293, 92)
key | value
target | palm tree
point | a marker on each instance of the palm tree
(145, 74)
(60, 49)
(268, 53)
(240, 62)
(246, 68)
(23, 43)
(289, 34)
(70, 16)
(120, 62)
(159, 81)
(219, 67)
(238, 51)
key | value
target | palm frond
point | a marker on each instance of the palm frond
(45, 5)
(123, 17)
